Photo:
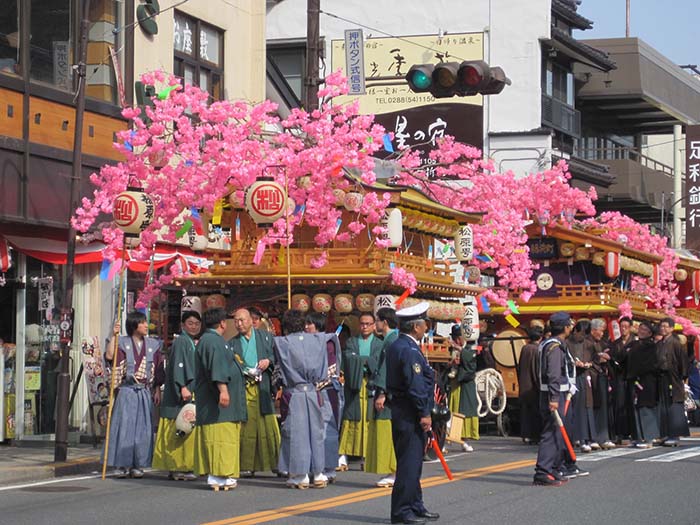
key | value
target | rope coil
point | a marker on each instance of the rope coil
(490, 388)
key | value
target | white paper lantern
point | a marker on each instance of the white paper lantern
(470, 321)
(265, 201)
(384, 301)
(133, 211)
(464, 243)
(353, 201)
(393, 222)
(191, 302)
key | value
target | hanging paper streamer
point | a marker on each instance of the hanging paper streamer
(391, 265)
(340, 328)
(446, 248)
(116, 266)
(197, 221)
(512, 321)
(165, 93)
(484, 257)
(259, 252)
(218, 212)
(402, 298)
(483, 305)
(238, 228)
(280, 256)
(513, 307)
(184, 229)
(430, 256)
(337, 225)
(388, 146)
(104, 270)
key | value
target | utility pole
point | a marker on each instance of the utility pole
(63, 381)
(627, 20)
(313, 53)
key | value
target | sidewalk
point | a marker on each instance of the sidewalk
(22, 464)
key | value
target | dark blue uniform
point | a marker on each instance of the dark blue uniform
(410, 382)
(556, 370)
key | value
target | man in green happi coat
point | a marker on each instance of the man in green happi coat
(381, 458)
(221, 408)
(353, 435)
(260, 435)
(174, 452)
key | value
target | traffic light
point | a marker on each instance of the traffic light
(447, 79)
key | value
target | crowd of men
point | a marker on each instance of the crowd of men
(378, 413)
(608, 393)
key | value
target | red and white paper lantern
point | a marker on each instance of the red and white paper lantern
(696, 281)
(612, 264)
(133, 211)
(654, 279)
(265, 201)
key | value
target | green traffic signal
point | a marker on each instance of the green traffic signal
(421, 80)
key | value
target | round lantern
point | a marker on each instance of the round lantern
(191, 302)
(464, 243)
(384, 301)
(567, 249)
(197, 242)
(393, 222)
(581, 253)
(654, 279)
(157, 159)
(612, 264)
(353, 201)
(133, 211)
(342, 303)
(216, 300)
(339, 196)
(696, 281)
(265, 201)
(470, 321)
(364, 302)
(680, 274)
(301, 302)
(473, 274)
(432, 309)
(321, 302)
(599, 258)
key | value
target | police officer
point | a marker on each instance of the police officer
(557, 374)
(410, 383)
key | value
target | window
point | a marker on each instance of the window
(50, 53)
(558, 83)
(9, 39)
(199, 54)
(290, 59)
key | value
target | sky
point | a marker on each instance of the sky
(670, 26)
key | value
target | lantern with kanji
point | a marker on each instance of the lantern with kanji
(393, 222)
(470, 321)
(321, 302)
(265, 201)
(384, 301)
(464, 244)
(133, 211)
(191, 302)
(343, 303)
(612, 264)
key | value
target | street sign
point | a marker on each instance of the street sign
(355, 61)
(692, 187)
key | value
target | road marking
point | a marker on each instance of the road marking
(674, 456)
(361, 495)
(607, 454)
(49, 482)
(448, 458)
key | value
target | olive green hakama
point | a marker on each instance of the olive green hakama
(353, 435)
(380, 458)
(260, 435)
(216, 449)
(470, 428)
(172, 452)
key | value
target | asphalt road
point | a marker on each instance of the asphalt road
(492, 485)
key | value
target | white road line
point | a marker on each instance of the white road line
(690, 439)
(448, 458)
(50, 482)
(674, 456)
(607, 454)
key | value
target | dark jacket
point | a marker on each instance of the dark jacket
(355, 369)
(264, 346)
(642, 368)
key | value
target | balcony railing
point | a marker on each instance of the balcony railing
(560, 116)
(620, 152)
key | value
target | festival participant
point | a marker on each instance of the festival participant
(583, 423)
(529, 387)
(353, 434)
(673, 361)
(623, 408)
(642, 369)
(380, 457)
(175, 452)
(556, 377)
(601, 386)
(131, 430)
(410, 382)
(303, 362)
(463, 397)
(221, 405)
(260, 435)
(333, 394)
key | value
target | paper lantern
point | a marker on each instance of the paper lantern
(191, 302)
(265, 201)
(364, 302)
(696, 281)
(157, 159)
(133, 211)
(581, 253)
(567, 249)
(470, 321)
(612, 264)
(321, 302)
(393, 222)
(214, 301)
(472, 274)
(353, 201)
(384, 301)
(301, 302)
(464, 243)
(339, 196)
(197, 242)
(614, 329)
(654, 279)
(599, 258)
(343, 303)
(680, 274)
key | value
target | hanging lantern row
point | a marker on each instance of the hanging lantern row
(133, 212)
(609, 261)
(680, 274)
(426, 223)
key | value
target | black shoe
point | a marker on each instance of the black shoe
(547, 480)
(430, 516)
(410, 519)
(573, 471)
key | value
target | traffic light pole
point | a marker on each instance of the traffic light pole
(63, 380)
(313, 52)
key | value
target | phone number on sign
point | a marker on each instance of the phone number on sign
(405, 99)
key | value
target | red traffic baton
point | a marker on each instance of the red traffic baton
(436, 447)
(564, 435)
(567, 403)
